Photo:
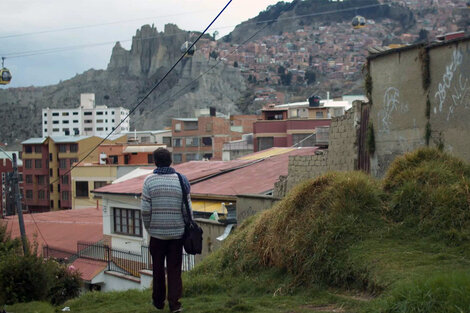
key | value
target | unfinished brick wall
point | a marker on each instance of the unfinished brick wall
(340, 156)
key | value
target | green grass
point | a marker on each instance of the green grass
(340, 243)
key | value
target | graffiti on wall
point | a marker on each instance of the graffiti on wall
(454, 84)
(391, 104)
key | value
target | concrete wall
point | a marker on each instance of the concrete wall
(212, 230)
(248, 205)
(399, 101)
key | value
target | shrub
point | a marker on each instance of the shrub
(31, 278)
(8, 245)
(24, 279)
(429, 189)
(67, 283)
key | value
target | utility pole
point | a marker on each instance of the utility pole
(19, 209)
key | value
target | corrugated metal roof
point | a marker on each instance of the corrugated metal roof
(143, 149)
(67, 139)
(186, 119)
(255, 175)
(89, 269)
(32, 141)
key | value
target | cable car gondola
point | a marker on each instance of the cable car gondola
(358, 22)
(185, 48)
(5, 75)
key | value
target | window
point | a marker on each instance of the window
(55, 114)
(65, 180)
(37, 149)
(88, 121)
(150, 158)
(207, 141)
(319, 115)
(41, 180)
(65, 196)
(65, 113)
(167, 141)
(192, 157)
(192, 142)
(192, 125)
(29, 194)
(51, 172)
(63, 163)
(38, 163)
(88, 129)
(73, 147)
(81, 188)
(28, 149)
(75, 121)
(127, 222)
(45, 130)
(208, 127)
(99, 113)
(177, 158)
(99, 121)
(51, 187)
(177, 142)
(177, 127)
(28, 163)
(65, 122)
(55, 122)
(112, 120)
(62, 148)
(29, 179)
(114, 159)
(73, 160)
(99, 184)
(75, 113)
(66, 131)
(144, 139)
(99, 129)
(45, 114)
(265, 143)
(41, 195)
(76, 131)
(304, 140)
(207, 156)
(88, 113)
(55, 130)
(50, 157)
(45, 122)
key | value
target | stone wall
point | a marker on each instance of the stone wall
(341, 154)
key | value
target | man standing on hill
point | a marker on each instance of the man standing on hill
(162, 197)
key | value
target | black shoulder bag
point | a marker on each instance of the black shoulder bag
(192, 238)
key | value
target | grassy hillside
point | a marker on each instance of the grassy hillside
(341, 243)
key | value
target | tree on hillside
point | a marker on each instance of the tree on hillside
(310, 76)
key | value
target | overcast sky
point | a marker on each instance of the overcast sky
(30, 25)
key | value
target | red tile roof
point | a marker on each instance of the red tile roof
(88, 269)
(224, 177)
(61, 229)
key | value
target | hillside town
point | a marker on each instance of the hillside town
(375, 93)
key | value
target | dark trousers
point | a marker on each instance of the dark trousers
(172, 251)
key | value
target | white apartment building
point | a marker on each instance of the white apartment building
(86, 120)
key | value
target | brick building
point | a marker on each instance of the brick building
(203, 137)
(47, 161)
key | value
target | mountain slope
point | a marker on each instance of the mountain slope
(129, 76)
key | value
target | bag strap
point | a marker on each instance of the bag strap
(185, 203)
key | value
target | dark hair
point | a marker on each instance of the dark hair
(162, 157)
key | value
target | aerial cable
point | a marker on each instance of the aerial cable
(20, 54)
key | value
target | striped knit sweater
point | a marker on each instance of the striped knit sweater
(161, 204)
